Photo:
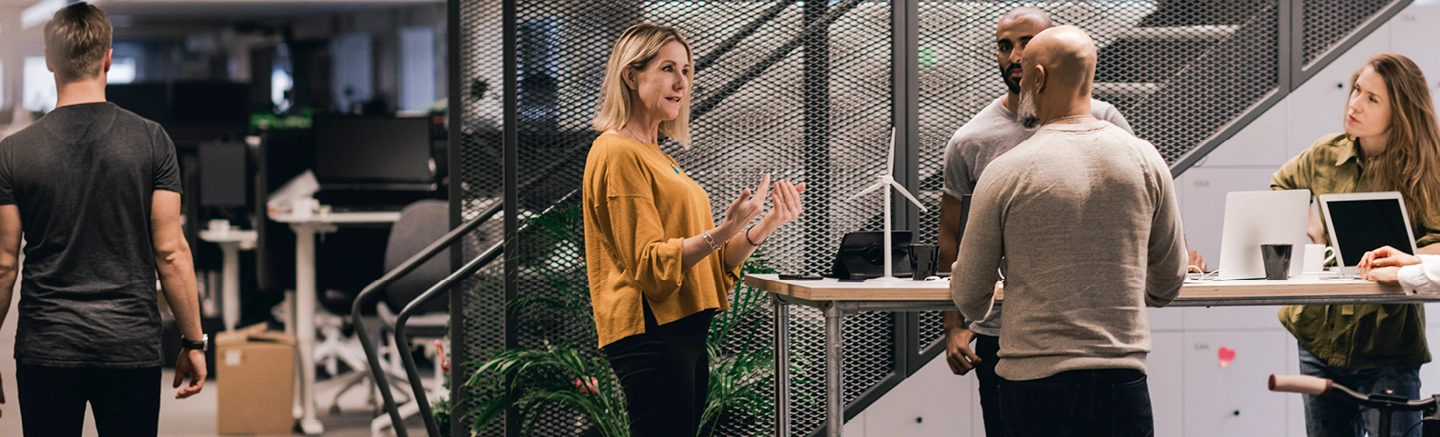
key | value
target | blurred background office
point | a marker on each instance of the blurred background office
(256, 93)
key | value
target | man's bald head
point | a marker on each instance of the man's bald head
(1059, 69)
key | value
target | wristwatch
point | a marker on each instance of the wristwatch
(198, 345)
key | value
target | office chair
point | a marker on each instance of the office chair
(420, 224)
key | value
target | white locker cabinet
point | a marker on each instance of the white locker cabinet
(1430, 373)
(1260, 144)
(1167, 319)
(1164, 371)
(1233, 400)
(1411, 33)
(932, 402)
(1232, 318)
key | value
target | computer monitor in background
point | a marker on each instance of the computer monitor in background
(373, 153)
(149, 100)
(223, 181)
(218, 104)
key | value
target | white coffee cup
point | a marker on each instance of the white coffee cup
(303, 207)
(1316, 256)
(219, 226)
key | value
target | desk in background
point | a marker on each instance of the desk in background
(231, 243)
(835, 299)
(302, 301)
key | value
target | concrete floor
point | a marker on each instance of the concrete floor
(193, 417)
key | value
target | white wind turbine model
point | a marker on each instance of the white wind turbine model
(886, 181)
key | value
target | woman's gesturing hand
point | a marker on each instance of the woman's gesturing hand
(786, 204)
(747, 206)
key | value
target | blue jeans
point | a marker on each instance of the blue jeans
(1105, 402)
(1328, 416)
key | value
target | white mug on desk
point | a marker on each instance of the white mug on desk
(1316, 256)
(303, 207)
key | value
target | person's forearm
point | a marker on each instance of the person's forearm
(952, 320)
(177, 281)
(8, 274)
(948, 238)
(739, 248)
(695, 248)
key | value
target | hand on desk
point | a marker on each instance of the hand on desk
(1383, 265)
(1195, 260)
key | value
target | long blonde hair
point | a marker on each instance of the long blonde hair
(1410, 163)
(636, 47)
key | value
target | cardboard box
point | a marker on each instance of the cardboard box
(254, 381)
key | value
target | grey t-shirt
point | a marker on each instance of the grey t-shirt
(992, 132)
(1086, 219)
(82, 177)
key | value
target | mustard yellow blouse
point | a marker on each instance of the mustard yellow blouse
(639, 208)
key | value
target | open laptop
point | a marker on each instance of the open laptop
(1361, 222)
(1253, 218)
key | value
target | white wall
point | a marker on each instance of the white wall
(1191, 393)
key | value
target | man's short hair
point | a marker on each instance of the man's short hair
(76, 41)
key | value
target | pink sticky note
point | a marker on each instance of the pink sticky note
(1227, 355)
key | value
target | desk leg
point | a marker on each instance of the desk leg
(834, 372)
(231, 285)
(782, 367)
(305, 325)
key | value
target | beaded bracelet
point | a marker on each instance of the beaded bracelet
(748, 240)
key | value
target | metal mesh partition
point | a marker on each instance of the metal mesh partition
(804, 90)
(1326, 21)
(480, 303)
(799, 90)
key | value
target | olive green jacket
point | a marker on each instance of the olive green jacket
(1352, 337)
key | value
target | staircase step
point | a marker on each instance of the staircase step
(1179, 33)
(1124, 95)
(1210, 12)
(1149, 59)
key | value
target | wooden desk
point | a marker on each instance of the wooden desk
(836, 298)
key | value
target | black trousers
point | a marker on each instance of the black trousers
(988, 349)
(665, 374)
(1079, 403)
(126, 402)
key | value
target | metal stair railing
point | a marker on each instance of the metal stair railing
(373, 357)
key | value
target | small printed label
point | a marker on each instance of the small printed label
(232, 358)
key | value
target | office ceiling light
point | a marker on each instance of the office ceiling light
(41, 11)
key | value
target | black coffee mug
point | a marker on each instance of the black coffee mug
(923, 260)
(1277, 261)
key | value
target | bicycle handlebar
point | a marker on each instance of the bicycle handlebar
(1303, 384)
(1311, 385)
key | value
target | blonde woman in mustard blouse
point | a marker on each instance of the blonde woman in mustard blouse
(659, 267)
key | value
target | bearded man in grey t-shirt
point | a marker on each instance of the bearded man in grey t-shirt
(991, 133)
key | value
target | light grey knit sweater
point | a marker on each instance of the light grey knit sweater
(1085, 215)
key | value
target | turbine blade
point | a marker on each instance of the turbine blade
(906, 193)
(890, 164)
(867, 190)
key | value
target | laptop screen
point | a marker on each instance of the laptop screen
(1368, 224)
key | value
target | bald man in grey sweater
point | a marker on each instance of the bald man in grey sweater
(1085, 215)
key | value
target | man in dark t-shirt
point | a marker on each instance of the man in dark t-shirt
(94, 190)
